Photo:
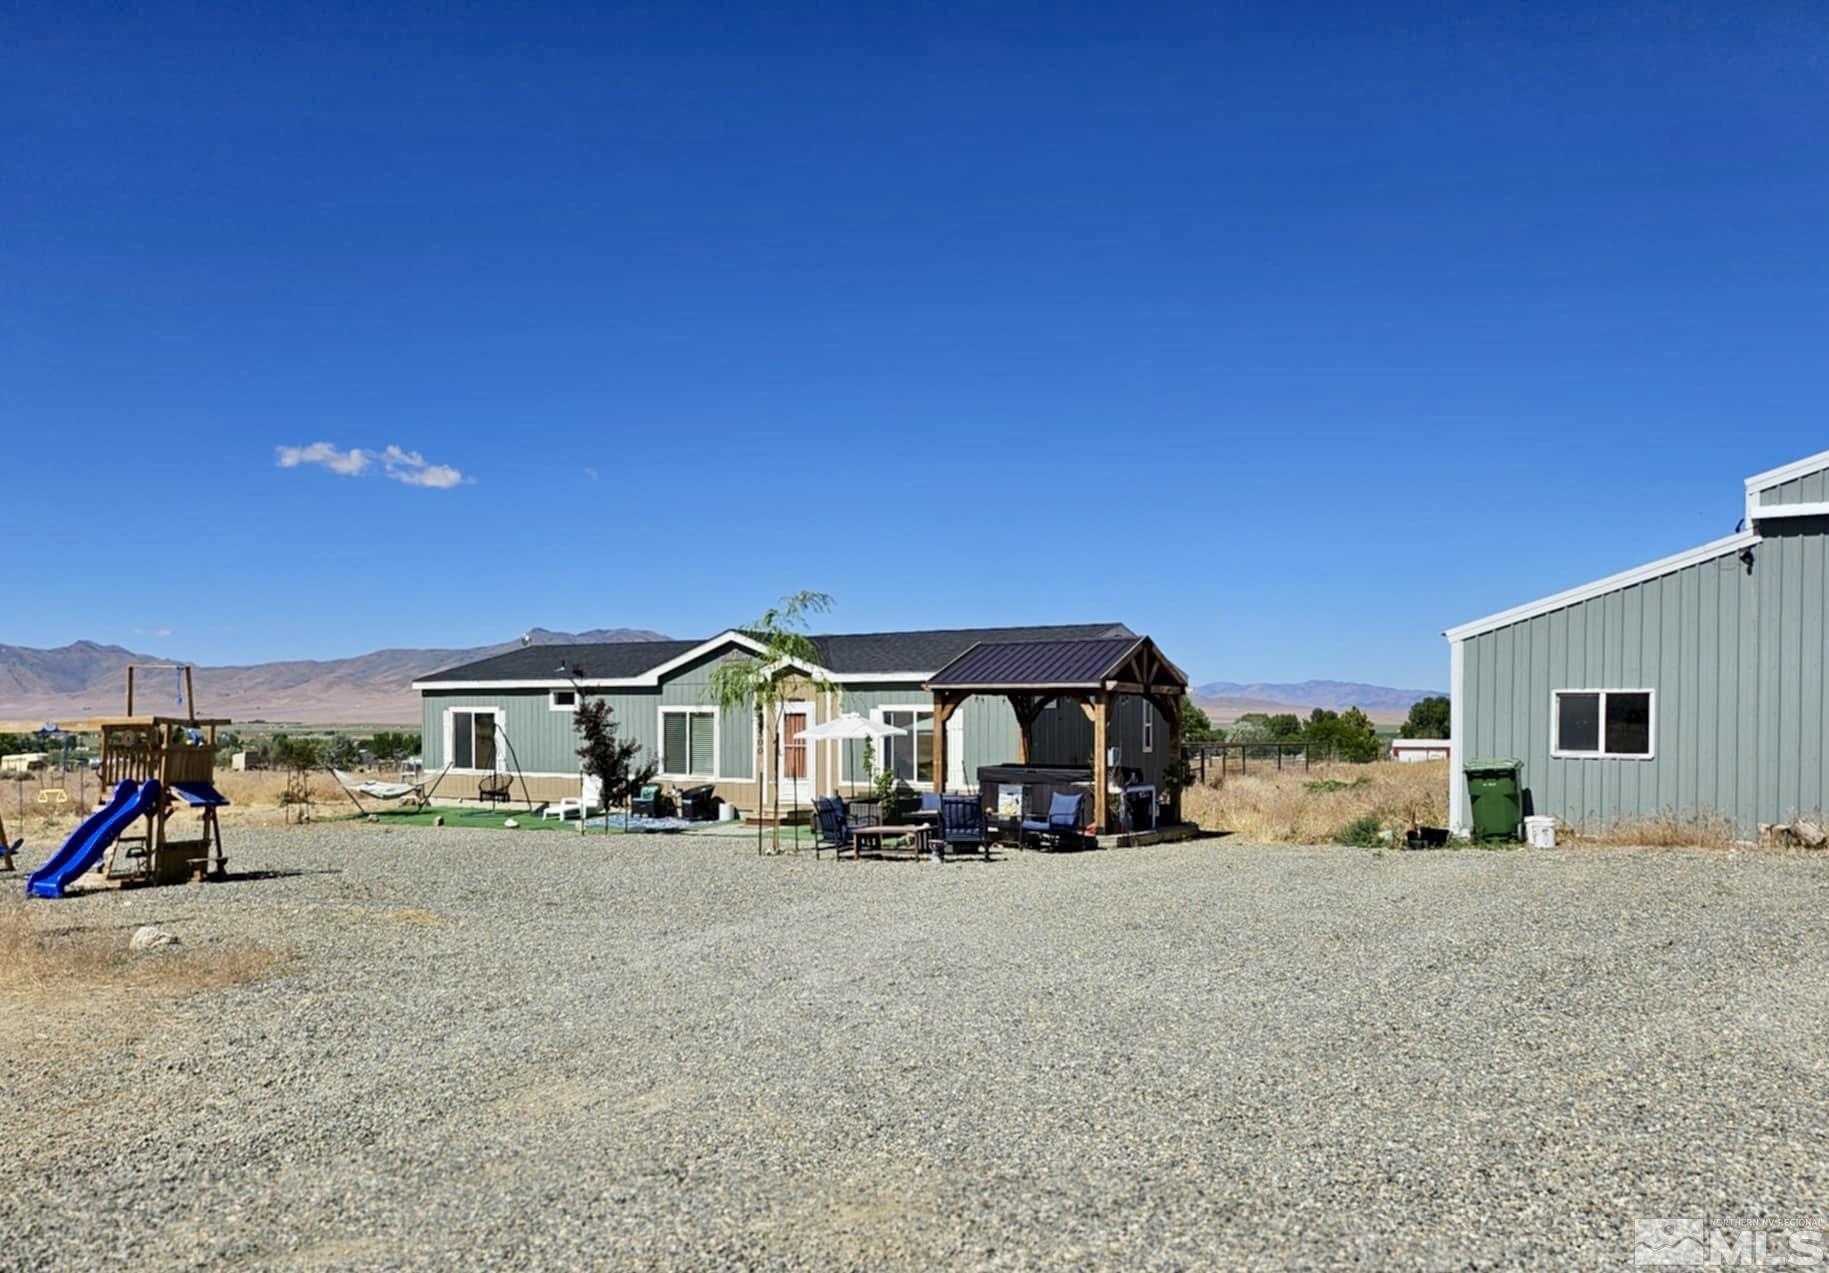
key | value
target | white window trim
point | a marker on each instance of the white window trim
(876, 714)
(553, 704)
(495, 714)
(660, 742)
(1149, 725)
(1557, 753)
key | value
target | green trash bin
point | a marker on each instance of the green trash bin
(1496, 798)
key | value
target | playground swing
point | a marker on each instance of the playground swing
(417, 792)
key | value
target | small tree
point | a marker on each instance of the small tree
(1429, 718)
(298, 757)
(1348, 735)
(607, 758)
(757, 682)
(1197, 726)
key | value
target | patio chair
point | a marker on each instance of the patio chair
(962, 824)
(589, 798)
(833, 824)
(865, 811)
(1065, 819)
(495, 789)
(698, 804)
(651, 802)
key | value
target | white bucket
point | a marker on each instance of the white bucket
(1540, 831)
(727, 812)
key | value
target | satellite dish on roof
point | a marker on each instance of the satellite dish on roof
(526, 638)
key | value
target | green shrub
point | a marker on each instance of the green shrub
(1361, 833)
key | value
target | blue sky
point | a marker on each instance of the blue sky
(1289, 334)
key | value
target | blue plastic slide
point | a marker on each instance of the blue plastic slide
(86, 844)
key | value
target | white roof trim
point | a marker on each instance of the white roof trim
(643, 682)
(1765, 512)
(729, 636)
(1612, 583)
(1785, 472)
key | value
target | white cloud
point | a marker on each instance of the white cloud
(397, 463)
(411, 467)
(590, 472)
(152, 632)
(349, 463)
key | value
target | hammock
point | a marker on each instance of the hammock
(375, 789)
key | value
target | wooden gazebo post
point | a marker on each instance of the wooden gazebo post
(1101, 759)
(945, 705)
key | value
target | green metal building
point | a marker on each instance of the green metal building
(1691, 686)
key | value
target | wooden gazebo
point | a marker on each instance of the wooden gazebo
(1093, 672)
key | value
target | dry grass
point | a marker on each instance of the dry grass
(1668, 830)
(43, 959)
(254, 801)
(1297, 806)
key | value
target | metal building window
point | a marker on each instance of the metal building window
(1604, 724)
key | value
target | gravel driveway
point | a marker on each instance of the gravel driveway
(539, 1051)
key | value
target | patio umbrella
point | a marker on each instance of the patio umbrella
(850, 728)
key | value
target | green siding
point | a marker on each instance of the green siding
(542, 741)
(690, 686)
(1811, 488)
(1062, 736)
(1735, 658)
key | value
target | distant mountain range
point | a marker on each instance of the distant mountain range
(87, 679)
(1228, 700)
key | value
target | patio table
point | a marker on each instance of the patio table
(882, 836)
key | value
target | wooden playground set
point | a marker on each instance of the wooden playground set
(160, 824)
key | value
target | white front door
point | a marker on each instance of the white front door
(799, 759)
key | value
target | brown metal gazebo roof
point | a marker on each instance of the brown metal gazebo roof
(1129, 664)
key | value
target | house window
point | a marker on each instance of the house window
(910, 757)
(688, 742)
(1605, 723)
(1149, 726)
(564, 700)
(473, 740)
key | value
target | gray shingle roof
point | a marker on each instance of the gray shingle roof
(844, 654)
(1037, 663)
(609, 659)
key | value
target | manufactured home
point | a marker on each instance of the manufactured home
(1027, 695)
(1691, 686)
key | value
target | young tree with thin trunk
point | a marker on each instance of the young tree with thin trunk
(757, 682)
(607, 758)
